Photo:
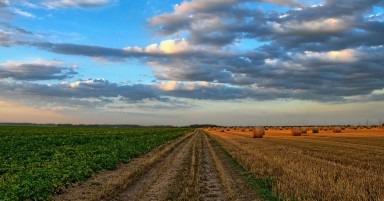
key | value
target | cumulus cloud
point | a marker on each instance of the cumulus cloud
(37, 69)
(343, 56)
(330, 52)
(313, 49)
(174, 85)
(318, 26)
(165, 47)
(87, 93)
(231, 21)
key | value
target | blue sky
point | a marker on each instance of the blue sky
(228, 62)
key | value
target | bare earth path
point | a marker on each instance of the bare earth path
(189, 168)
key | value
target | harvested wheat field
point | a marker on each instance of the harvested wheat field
(260, 163)
(333, 164)
(191, 167)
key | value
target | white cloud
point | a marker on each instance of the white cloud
(197, 5)
(38, 61)
(329, 25)
(344, 56)
(188, 7)
(170, 46)
(4, 3)
(165, 47)
(37, 69)
(76, 3)
(96, 82)
(23, 13)
(184, 86)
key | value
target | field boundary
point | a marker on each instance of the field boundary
(263, 186)
(109, 183)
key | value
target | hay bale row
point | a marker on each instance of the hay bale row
(296, 131)
(315, 130)
(258, 132)
(336, 129)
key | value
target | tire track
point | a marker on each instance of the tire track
(159, 180)
(211, 186)
(107, 184)
(191, 168)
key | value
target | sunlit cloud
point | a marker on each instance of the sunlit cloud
(318, 26)
(343, 56)
(196, 52)
(186, 86)
(164, 47)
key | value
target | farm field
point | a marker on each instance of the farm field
(41, 163)
(192, 167)
(36, 162)
(324, 166)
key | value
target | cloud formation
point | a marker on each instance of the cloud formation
(318, 50)
(36, 70)
(330, 52)
(57, 4)
(4, 12)
(15, 6)
(4, 3)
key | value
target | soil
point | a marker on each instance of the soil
(189, 168)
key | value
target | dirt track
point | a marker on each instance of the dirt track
(190, 168)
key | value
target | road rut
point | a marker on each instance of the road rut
(190, 168)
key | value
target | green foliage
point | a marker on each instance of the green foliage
(35, 162)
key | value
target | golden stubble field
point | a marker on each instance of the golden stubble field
(323, 166)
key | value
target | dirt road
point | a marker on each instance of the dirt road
(190, 168)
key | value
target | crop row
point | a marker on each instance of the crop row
(36, 162)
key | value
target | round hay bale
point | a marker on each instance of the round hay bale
(315, 130)
(304, 130)
(243, 130)
(222, 130)
(296, 131)
(336, 129)
(258, 132)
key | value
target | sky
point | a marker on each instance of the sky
(174, 62)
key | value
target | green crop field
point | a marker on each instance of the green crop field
(35, 162)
